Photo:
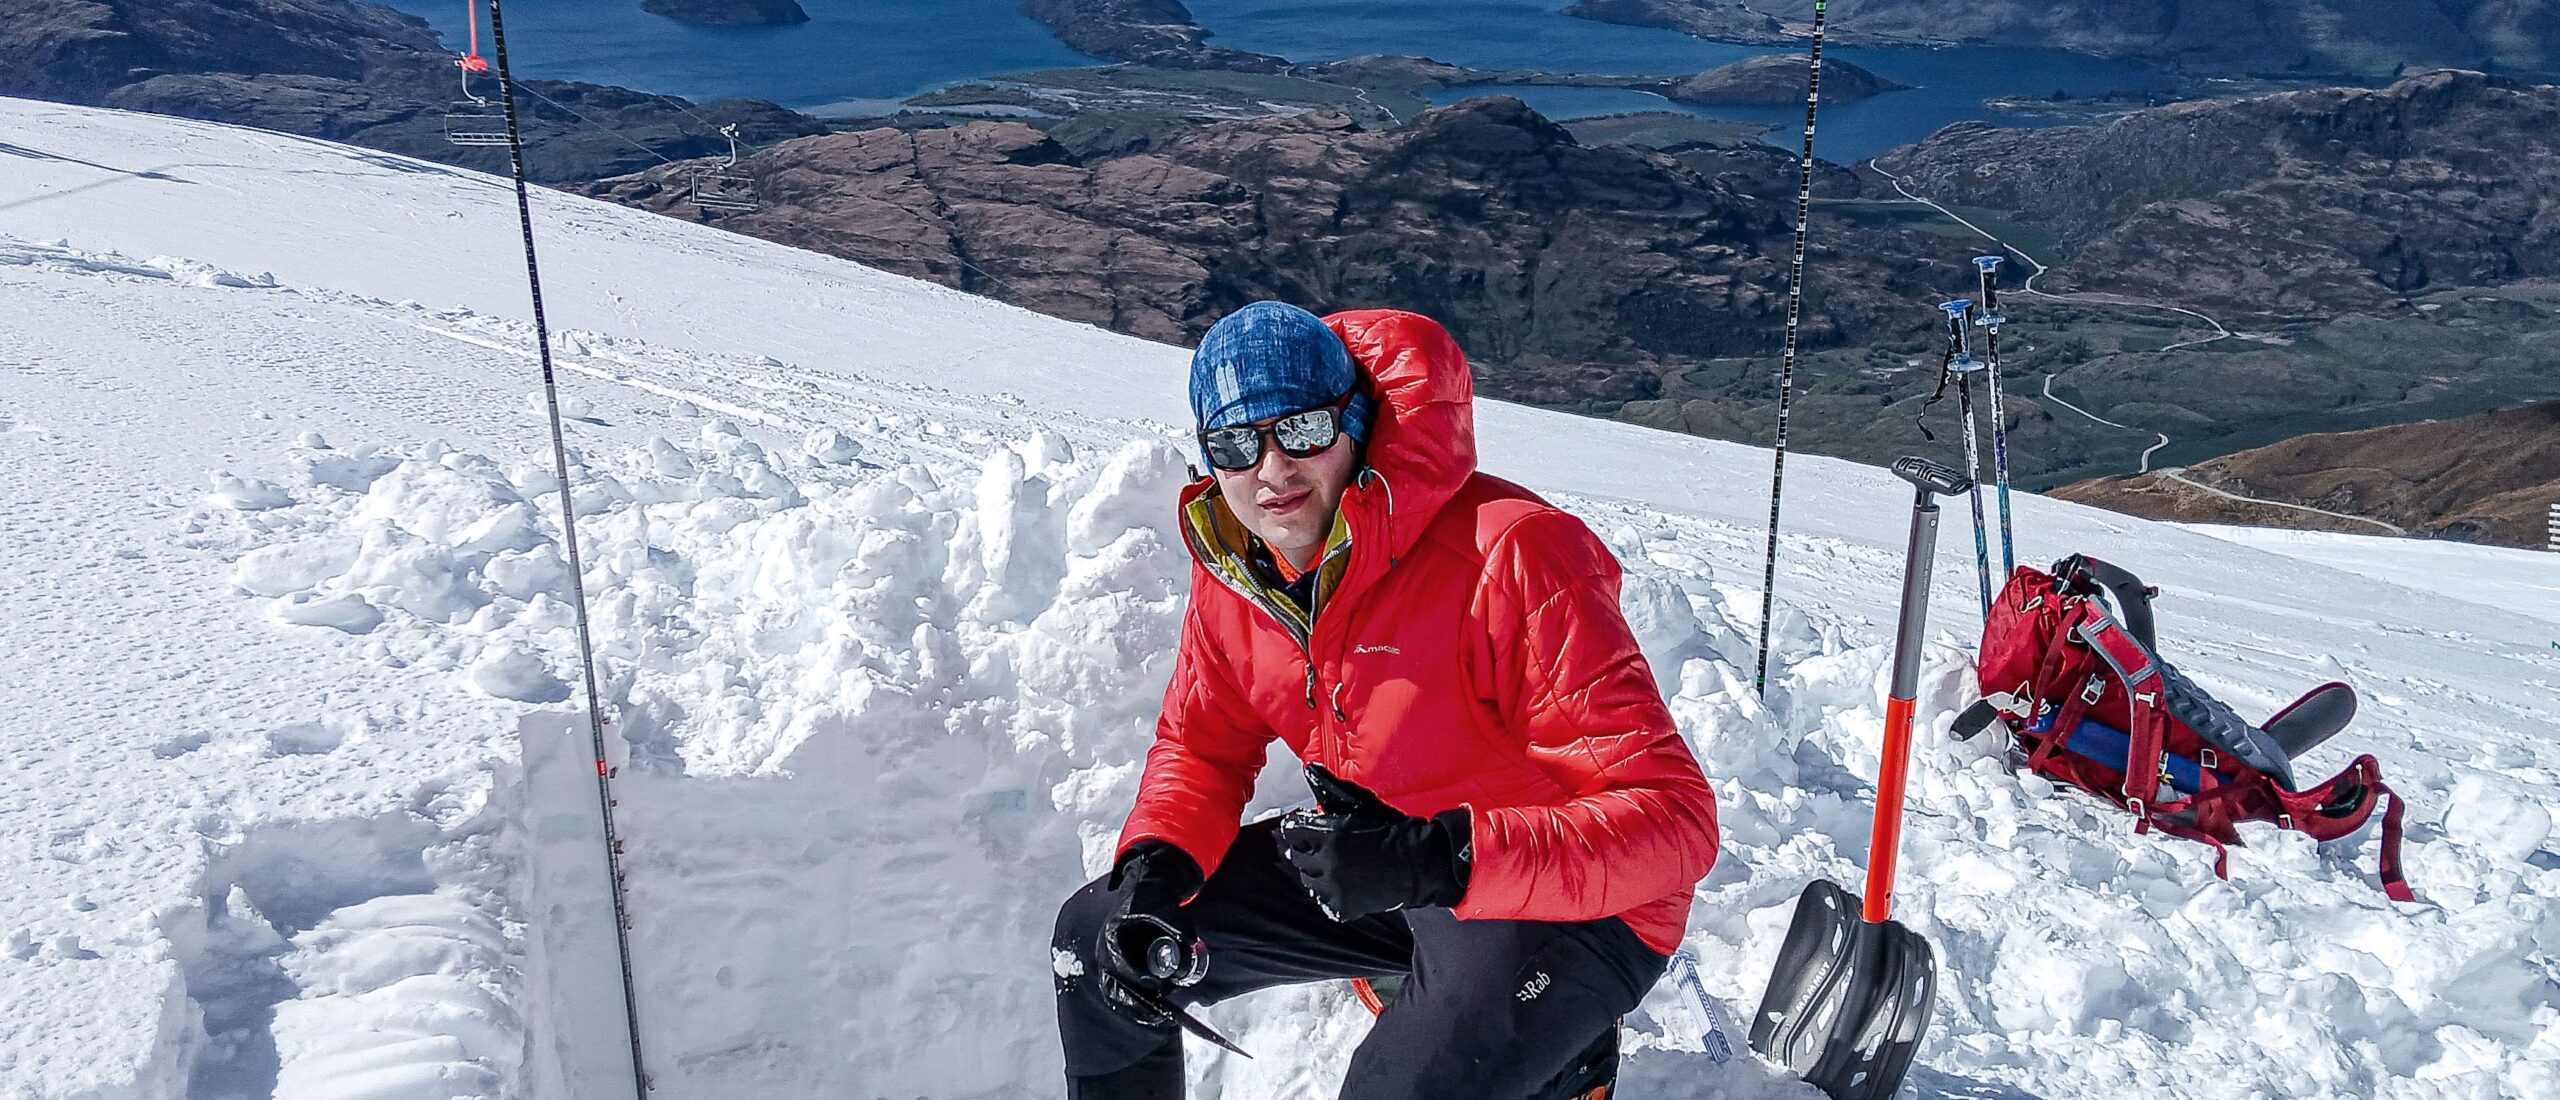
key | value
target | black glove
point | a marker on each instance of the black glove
(1356, 855)
(1148, 945)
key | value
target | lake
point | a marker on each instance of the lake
(864, 54)
(1947, 85)
(854, 52)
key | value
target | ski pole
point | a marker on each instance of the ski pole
(1991, 320)
(1964, 366)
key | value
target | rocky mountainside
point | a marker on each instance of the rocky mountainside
(2284, 207)
(2370, 38)
(1573, 274)
(1777, 80)
(1147, 32)
(2485, 478)
(344, 70)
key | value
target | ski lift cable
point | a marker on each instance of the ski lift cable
(592, 124)
(1787, 360)
(577, 569)
(598, 57)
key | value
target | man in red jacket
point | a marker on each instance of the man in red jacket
(1506, 819)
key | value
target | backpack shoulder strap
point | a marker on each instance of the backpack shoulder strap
(2146, 724)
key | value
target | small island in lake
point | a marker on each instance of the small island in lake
(1776, 80)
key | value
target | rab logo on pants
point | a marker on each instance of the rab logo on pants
(1530, 989)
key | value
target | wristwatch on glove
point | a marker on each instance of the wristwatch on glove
(1356, 855)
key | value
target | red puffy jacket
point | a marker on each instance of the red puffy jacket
(1467, 650)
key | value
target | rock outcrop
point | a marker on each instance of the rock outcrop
(2489, 478)
(729, 13)
(2284, 207)
(1147, 32)
(1777, 80)
(348, 71)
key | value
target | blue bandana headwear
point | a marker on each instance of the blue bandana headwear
(1272, 359)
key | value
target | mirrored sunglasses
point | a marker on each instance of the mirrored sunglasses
(1300, 435)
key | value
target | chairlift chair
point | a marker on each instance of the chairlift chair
(716, 188)
(470, 121)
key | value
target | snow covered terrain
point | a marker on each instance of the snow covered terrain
(2522, 581)
(301, 802)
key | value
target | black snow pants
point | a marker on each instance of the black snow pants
(1489, 1010)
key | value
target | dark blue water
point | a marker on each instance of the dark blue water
(863, 53)
(1947, 85)
(848, 50)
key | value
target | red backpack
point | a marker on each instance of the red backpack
(2083, 691)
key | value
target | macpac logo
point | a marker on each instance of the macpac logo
(1377, 649)
(1530, 989)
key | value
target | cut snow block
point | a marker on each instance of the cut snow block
(830, 445)
(291, 567)
(511, 673)
(248, 494)
(571, 407)
(343, 611)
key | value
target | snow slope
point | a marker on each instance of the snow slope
(885, 592)
(2523, 581)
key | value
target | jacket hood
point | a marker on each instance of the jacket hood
(1423, 447)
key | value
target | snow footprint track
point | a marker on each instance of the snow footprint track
(349, 959)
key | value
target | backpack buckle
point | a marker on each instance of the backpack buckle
(2096, 687)
(2285, 820)
(2206, 759)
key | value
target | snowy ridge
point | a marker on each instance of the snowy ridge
(883, 650)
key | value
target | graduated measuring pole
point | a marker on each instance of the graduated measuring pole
(577, 569)
(1787, 361)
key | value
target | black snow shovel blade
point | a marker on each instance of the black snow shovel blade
(1849, 999)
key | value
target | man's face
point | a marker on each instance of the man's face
(1289, 502)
